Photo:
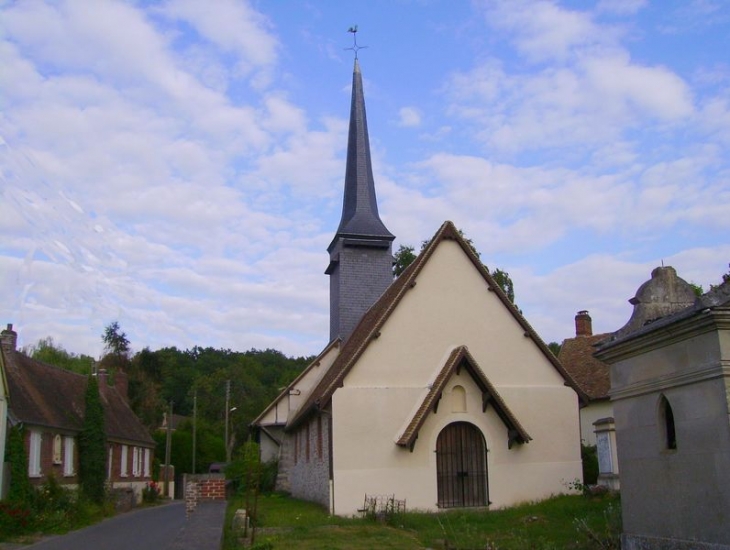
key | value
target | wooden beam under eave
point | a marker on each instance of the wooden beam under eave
(486, 398)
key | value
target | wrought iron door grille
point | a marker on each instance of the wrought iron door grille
(461, 466)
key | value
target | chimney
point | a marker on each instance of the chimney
(121, 383)
(101, 377)
(9, 338)
(583, 324)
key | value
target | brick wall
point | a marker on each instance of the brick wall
(50, 466)
(203, 488)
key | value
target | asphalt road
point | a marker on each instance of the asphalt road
(153, 528)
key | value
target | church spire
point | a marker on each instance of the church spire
(360, 218)
(361, 253)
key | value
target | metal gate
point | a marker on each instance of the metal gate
(461, 466)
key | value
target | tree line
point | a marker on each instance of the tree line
(184, 380)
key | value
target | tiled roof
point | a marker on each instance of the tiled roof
(592, 375)
(461, 358)
(369, 326)
(48, 396)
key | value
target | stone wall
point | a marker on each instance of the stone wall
(670, 397)
(286, 463)
(309, 473)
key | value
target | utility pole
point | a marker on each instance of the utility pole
(195, 425)
(228, 406)
(168, 446)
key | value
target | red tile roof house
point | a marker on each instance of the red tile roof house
(591, 375)
(49, 402)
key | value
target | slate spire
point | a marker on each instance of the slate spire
(361, 253)
(360, 218)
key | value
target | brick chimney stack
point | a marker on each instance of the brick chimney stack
(121, 383)
(583, 324)
(101, 376)
(9, 338)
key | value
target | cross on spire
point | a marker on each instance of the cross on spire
(355, 48)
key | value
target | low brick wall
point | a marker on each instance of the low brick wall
(201, 488)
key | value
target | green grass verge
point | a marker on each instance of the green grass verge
(563, 522)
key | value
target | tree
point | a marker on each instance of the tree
(504, 281)
(554, 347)
(725, 279)
(115, 340)
(48, 351)
(21, 490)
(402, 259)
(92, 445)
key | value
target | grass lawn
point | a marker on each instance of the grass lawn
(562, 522)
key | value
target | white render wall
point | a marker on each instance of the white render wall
(297, 392)
(451, 306)
(597, 410)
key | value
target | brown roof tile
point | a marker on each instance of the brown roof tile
(592, 375)
(48, 396)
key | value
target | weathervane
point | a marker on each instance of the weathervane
(355, 48)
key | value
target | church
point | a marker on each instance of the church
(433, 387)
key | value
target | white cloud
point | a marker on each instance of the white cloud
(231, 26)
(593, 101)
(409, 117)
(173, 166)
(652, 91)
(542, 30)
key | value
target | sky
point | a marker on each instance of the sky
(178, 165)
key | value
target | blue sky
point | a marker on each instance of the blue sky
(178, 165)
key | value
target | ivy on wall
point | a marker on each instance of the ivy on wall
(92, 445)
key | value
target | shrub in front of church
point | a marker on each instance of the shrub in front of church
(589, 455)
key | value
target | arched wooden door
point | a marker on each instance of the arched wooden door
(461, 466)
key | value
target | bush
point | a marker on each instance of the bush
(15, 519)
(248, 473)
(53, 506)
(21, 490)
(589, 455)
(50, 508)
(151, 492)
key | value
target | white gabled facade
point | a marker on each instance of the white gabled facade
(451, 305)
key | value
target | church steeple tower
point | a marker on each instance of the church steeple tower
(361, 253)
